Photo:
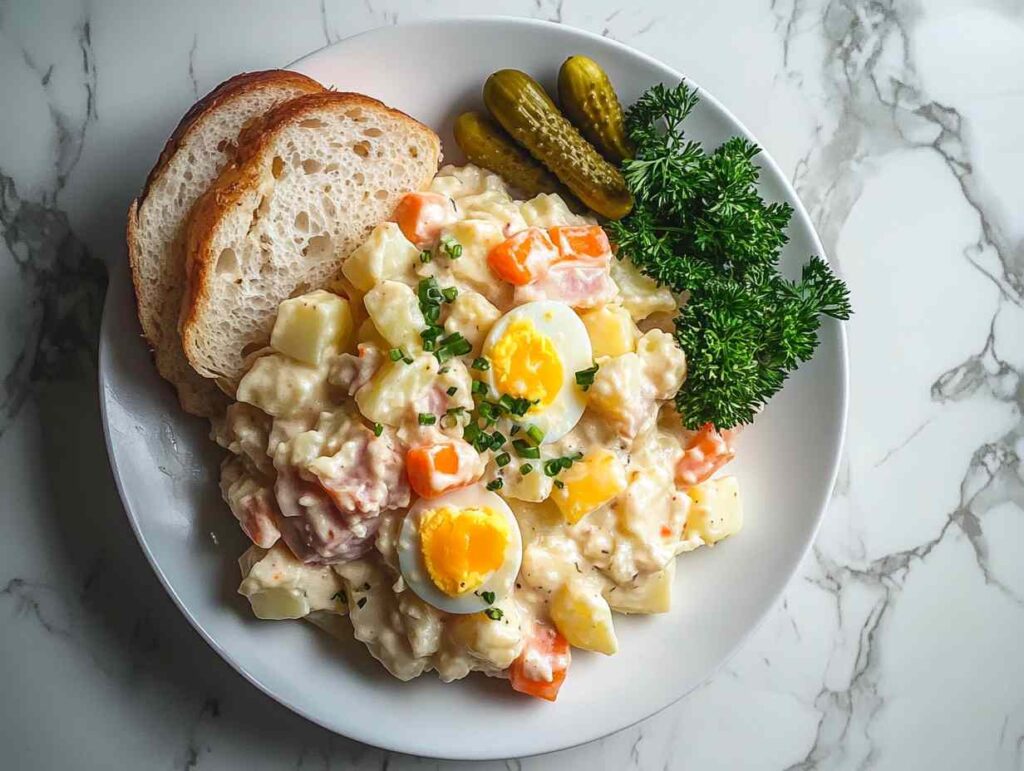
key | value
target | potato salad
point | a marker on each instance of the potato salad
(467, 444)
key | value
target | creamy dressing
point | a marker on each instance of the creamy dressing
(337, 432)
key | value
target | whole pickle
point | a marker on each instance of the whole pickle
(590, 102)
(526, 112)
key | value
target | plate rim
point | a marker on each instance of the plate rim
(116, 289)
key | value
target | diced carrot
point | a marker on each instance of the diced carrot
(549, 647)
(524, 257)
(422, 215)
(707, 452)
(580, 241)
(434, 469)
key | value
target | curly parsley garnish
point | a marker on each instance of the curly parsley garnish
(700, 226)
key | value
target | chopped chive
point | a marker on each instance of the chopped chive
(585, 377)
(452, 390)
(497, 440)
(432, 313)
(426, 419)
(378, 429)
(515, 429)
(487, 411)
(449, 294)
(361, 602)
(471, 433)
(339, 596)
(559, 484)
(395, 354)
(426, 256)
(495, 484)
(451, 247)
(535, 434)
(503, 460)
(526, 468)
(481, 364)
(520, 406)
(552, 467)
(488, 597)
(525, 450)
(479, 387)
(494, 614)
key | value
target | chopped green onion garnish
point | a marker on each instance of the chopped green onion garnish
(395, 354)
(585, 377)
(479, 387)
(503, 460)
(449, 294)
(552, 467)
(452, 390)
(378, 429)
(526, 468)
(451, 247)
(494, 614)
(525, 450)
(497, 440)
(471, 433)
(488, 597)
(515, 429)
(481, 364)
(426, 256)
(559, 484)
(493, 485)
(535, 434)
(426, 419)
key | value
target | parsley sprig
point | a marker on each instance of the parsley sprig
(700, 226)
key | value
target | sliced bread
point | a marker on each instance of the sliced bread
(309, 184)
(202, 144)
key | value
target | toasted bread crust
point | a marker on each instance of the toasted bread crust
(243, 177)
(227, 90)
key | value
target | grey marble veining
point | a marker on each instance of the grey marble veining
(898, 643)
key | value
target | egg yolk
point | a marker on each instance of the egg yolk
(526, 364)
(462, 547)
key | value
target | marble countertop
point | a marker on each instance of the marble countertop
(898, 643)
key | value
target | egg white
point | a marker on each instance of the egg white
(414, 570)
(569, 336)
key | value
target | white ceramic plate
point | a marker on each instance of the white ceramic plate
(166, 468)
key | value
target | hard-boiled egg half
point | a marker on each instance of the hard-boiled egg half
(461, 551)
(535, 351)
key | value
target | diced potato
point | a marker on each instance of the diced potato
(395, 311)
(367, 333)
(716, 512)
(307, 326)
(497, 643)
(472, 316)
(664, 362)
(621, 393)
(477, 236)
(547, 210)
(653, 594)
(278, 586)
(494, 206)
(395, 386)
(640, 295)
(459, 181)
(283, 387)
(387, 254)
(534, 487)
(582, 615)
(591, 483)
(611, 330)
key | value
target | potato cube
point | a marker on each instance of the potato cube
(651, 594)
(611, 330)
(387, 254)
(591, 483)
(548, 210)
(716, 511)
(533, 487)
(395, 312)
(367, 333)
(283, 387)
(582, 615)
(640, 295)
(307, 326)
(278, 586)
(472, 316)
(388, 396)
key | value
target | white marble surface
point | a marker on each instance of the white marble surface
(899, 643)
